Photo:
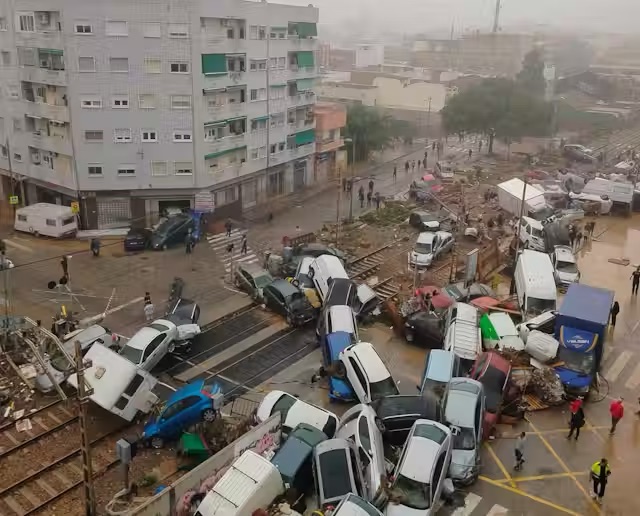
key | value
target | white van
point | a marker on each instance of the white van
(535, 282)
(251, 483)
(532, 234)
(46, 219)
(621, 193)
(324, 269)
(338, 318)
(463, 334)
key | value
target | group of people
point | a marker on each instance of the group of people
(370, 196)
(578, 236)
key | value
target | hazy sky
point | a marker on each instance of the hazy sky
(417, 15)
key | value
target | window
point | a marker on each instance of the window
(86, 64)
(178, 30)
(183, 168)
(17, 124)
(22, 218)
(182, 136)
(259, 94)
(180, 101)
(179, 67)
(6, 58)
(277, 119)
(120, 101)
(3, 23)
(277, 93)
(258, 153)
(26, 22)
(116, 28)
(119, 64)
(94, 169)
(358, 371)
(159, 168)
(152, 65)
(51, 222)
(122, 135)
(83, 28)
(127, 170)
(151, 30)
(3, 151)
(26, 56)
(258, 124)
(17, 157)
(147, 101)
(257, 64)
(93, 136)
(149, 135)
(91, 102)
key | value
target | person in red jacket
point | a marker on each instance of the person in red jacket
(575, 405)
(616, 409)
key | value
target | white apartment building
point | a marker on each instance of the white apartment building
(136, 107)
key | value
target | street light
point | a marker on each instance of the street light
(352, 141)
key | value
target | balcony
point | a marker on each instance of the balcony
(219, 81)
(61, 177)
(302, 99)
(49, 111)
(329, 145)
(303, 150)
(300, 72)
(229, 172)
(225, 110)
(51, 143)
(223, 44)
(301, 125)
(224, 144)
(42, 75)
(40, 39)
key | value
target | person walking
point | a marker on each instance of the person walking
(424, 163)
(572, 235)
(371, 184)
(361, 196)
(413, 166)
(188, 243)
(578, 239)
(615, 310)
(479, 146)
(433, 146)
(147, 298)
(600, 472)
(575, 405)
(470, 152)
(228, 226)
(148, 311)
(406, 167)
(395, 173)
(576, 423)
(369, 196)
(95, 246)
(616, 409)
(243, 249)
(635, 281)
(378, 200)
(519, 451)
(592, 226)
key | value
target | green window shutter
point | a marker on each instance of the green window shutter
(304, 84)
(307, 30)
(222, 153)
(51, 51)
(214, 63)
(304, 137)
(305, 59)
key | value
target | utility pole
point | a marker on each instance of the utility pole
(428, 117)
(512, 288)
(339, 209)
(353, 166)
(496, 17)
(87, 468)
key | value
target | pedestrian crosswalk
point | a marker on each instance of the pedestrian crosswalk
(622, 371)
(471, 504)
(220, 242)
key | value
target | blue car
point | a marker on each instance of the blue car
(333, 345)
(193, 403)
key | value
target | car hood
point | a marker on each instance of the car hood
(151, 428)
(568, 277)
(396, 509)
(462, 461)
(430, 224)
(573, 379)
(421, 258)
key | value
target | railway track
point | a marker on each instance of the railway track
(370, 264)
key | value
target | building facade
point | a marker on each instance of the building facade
(331, 158)
(135, 107)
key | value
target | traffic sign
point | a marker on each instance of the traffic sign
(13, 199)
(75, 207)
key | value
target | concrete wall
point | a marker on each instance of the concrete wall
(402, 94)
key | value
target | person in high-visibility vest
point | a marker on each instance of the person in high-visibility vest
(600, 472)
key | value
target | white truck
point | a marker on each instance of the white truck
(510, 199)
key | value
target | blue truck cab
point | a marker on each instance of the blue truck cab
(581, 325)
(335, 343)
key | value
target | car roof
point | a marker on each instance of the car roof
(406, 405)
(341, 311)
(366, 353)
(536, 224)
(439, 365)
(426, 237)
(503, 324)
(284, 287)
(443, 234)
(421, 452)
(465, 311)
(564, 253)
(461, 406)
(142, 337)
(337, 342)
(253, 268)
(192, 388)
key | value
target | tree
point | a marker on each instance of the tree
(497, 107)
(371, 130)
(531, 77)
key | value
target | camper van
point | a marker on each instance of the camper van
(119, 386)
(46, 219)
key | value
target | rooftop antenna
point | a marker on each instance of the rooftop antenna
(496, 17)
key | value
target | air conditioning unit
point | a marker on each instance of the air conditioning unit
(43, 18)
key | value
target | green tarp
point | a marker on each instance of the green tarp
(304, 84)
(214, 63)
(307, 30)
(266, 117)
(222, 153)
(304, 137)
(51, 51)
(305, 58)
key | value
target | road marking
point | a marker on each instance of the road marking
(91, 320)
(530, 496)
(24, 248)
(616, 368)
(544, 477)
(634, 379)
(500, 465)
(498, 510)
(471, 501)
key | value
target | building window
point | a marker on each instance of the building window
(86, 64)
(119, 64)
(3, 23)
(3, 151)
(259, 94)
(152, 65)
(26, 22)
(277, 119)
(94, 169)
(122, 135)
(116, 28)
(226, 196)
(151, 30)
(17, 125)
(159, 168)
(277, 93)
(17, 157)
(258, 125)
(6, 58)
(278, 33)
(257, 64)
(182, 136)
(127, 170)
(120, 101)
(183, 168)
(83, 28)
(93, 136)
(26, 56)
(275, 184)
(147, 101)
(178, 30)
(91, 102)
(179, 67)
(180, 101)
(149, 135)
(259, 152)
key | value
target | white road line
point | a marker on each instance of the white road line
(24, 248)
(635, 327)
(471, 501)
(616, 368)
(498, 510)
(634, 379)
(91, 320)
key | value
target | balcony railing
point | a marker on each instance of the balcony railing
(58, 144)
(226, 143)
(303, 71)
(299, 125)
(329, 144)
(42, 75)
(302, 99)
(226, 108)
(58, 112)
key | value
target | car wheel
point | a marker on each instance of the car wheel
(171, 348)
(157, 442)
(209, 415)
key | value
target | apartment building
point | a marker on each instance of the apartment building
(331, 157)
(137, 107)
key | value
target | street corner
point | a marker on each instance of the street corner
(560, 492)
(570, 455)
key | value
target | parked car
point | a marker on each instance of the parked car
(421, 470)
(398, 414)
(363, 427)
(150, 344)
(429, 247)
(578, 153)
(337, 318)
(352, 505)
(187, 406)
(137, 239)
(316, 249)
(333, 345)
(252, 279)
(565, 266)
(184, 311)
(492, 371)
(440, 366)
(285, 299)
(459, 292)
(424, 329)
(293, 459)
(424, 220)
(337, 471)
(464, 414)
(367, 373)
(295, 411)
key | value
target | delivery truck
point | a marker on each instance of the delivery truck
(581, 324)
(510, 199)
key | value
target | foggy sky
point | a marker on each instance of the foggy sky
(424, 15)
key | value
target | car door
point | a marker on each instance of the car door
(170, 419)
(279, 305)
(479, 417)
(153, 352)
(358, 380)
(191, 412)
(438, 476)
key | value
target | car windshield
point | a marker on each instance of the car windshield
(334, 474)
(159, 327)
(131, 354)
(465, 439)
(165, 227)
(305, 281)
(536, 305)
(386, 387)
(263, 280)
(283, 405)
(493, 381)
(536, 232)
(582, 363)
(412, 493)
(569, 267)
(422, 247)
